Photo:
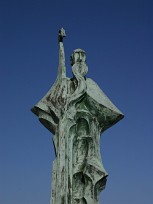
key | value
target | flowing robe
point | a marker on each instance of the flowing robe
(76, 111)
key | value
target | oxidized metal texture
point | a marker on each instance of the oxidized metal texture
(76, 111)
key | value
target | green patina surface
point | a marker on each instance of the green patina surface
(76, 111)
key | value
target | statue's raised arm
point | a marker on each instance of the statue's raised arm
(61, 66)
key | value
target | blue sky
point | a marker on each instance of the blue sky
(117, 38)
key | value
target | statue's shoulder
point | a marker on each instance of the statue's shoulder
(44, 103)
(94, 91)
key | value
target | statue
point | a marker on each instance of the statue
(76, 111)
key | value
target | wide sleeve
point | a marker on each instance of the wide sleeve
(101, 106)
(47, 113)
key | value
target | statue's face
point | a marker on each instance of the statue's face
(78, 56)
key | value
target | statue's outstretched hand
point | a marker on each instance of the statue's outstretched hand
(61, 35)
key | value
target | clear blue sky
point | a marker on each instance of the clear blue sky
(117, 37)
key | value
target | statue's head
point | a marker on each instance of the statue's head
(78, 56)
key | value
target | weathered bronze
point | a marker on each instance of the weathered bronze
(76, 111)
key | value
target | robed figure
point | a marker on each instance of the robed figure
(76, 111)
